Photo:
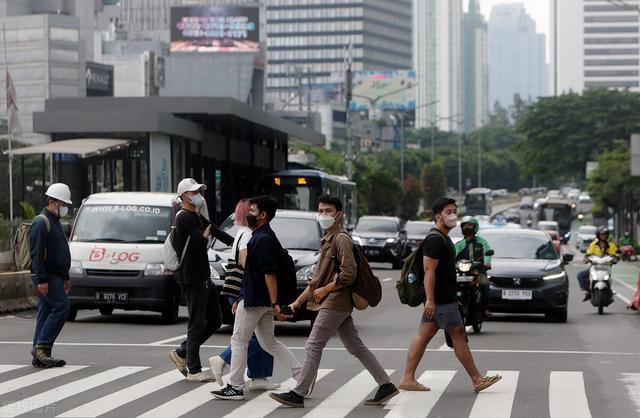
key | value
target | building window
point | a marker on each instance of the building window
(621, 51)
(611, 29)
(611, 84)
(611, 62)
(611, 73)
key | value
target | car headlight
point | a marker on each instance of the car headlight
(157, 269)
(555, 276)
(214, 272)
(391, 240)
(306, 273)
(76, 267)
(357, 240)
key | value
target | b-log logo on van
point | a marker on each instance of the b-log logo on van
(98, 254)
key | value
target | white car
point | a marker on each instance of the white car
(586, 234)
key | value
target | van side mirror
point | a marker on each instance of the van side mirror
(567, 258)
(489, 253)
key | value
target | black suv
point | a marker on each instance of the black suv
(382, 239)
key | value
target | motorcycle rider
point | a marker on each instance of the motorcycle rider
(599, 247)
(625, 240)
(473, 247)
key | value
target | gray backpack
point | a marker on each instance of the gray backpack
(22, 243)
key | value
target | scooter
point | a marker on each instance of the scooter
(627, 253)
(468, 292)
(600, 281)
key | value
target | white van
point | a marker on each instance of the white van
(116, 254)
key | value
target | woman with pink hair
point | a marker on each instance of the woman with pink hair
(259, 362)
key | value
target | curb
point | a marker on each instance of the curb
(16, 292)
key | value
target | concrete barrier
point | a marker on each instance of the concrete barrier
(16, 291)
(6, 261)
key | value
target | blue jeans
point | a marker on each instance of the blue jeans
(583, 279)
(259, 362)
(53, 309)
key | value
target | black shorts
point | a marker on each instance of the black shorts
(446, 316)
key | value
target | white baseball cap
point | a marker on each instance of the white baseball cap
(190, 185)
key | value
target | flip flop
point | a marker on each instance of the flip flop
(414, 387)
(486, 382)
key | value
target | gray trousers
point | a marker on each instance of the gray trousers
(329, 322)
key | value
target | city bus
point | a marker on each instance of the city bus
(559, 210)
(478, 202)
(299, 190)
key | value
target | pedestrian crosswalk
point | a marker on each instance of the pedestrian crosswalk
(90, 391)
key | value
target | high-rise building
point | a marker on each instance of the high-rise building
(475, 67)
(437, 59)
(594, 44)
(307, 39)
(517, 56)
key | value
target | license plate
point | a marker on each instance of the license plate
(517, 294)
(113, 298)
(371, 252)
(465, 279)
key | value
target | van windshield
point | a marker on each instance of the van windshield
(122, 223)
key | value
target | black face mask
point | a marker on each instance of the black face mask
(252, 220)
(467, 231)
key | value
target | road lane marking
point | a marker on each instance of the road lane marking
(43, 400)
(497, 401)
(349, 396)
(124, 396)
(168, 340)
(567, 397)
(263, 405)
(625, 284)
(622, 298)
(8, 367)
(185, 403)
(420, 404)
(36, 377)
(388, 279)
(631, 383)
(381, 349)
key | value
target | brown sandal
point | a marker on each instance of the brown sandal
(414, 387)
(486, 382)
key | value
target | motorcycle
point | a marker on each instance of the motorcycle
(600, 281)
(468, 292)
(627, 253)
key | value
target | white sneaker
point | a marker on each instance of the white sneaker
(262, 384)
(218, 367)
(201, 377)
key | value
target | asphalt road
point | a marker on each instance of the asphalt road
(589, 366)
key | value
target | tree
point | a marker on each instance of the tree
(434, 183)
(379, 193)
(411, 195)
(330, 161)
(562, 133)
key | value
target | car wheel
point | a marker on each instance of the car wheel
(106, 311)
(73, 313)
(560, 315)
(170, 313)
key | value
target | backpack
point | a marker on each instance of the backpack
(169, 254)
(366, 290)
(410, 287)
(286, 277)
(22, 243)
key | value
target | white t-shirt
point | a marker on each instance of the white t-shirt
(242, 239)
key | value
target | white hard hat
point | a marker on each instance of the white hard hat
(190, 185)
(59, 191)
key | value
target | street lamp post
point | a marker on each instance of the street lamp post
(401, 149)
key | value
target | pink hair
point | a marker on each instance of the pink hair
(242, 209)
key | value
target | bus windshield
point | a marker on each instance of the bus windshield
(475, 200)
(560, 213)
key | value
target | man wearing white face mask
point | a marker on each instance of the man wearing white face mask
(329, 294)
(50, 263)
(441, 308)
(194, 275)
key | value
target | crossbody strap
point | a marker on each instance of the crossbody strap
(186, 244)
(238, 248)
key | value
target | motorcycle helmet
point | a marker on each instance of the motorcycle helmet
(470, 220)
(603, 230)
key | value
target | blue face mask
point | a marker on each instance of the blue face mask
(196, 200)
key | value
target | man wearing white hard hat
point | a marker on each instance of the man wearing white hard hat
(195, 279)
(50, 262)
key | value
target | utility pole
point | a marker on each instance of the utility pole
(401, 150)
(480, 157)
(348, 96)
(460, 165)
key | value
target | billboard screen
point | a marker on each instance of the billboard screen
(392, 90)
(215, 29)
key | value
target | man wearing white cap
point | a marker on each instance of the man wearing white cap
(50, 262)
(194, 275)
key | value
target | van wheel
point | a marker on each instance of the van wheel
(73, 313)
(170, 314)
(106, 311)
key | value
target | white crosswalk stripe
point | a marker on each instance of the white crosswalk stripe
(24, 394)
(419, 404)
(497, 401)
(263, 405)
(52, 396)
(124, 396)
(631, 382)
(567, 396)
(347, 397)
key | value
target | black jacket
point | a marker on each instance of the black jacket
(54, 244)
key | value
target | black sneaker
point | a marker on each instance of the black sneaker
(384, 393)
(587, 296)
(290, 398)
(230, 393)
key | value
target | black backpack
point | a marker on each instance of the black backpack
(286, 276)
